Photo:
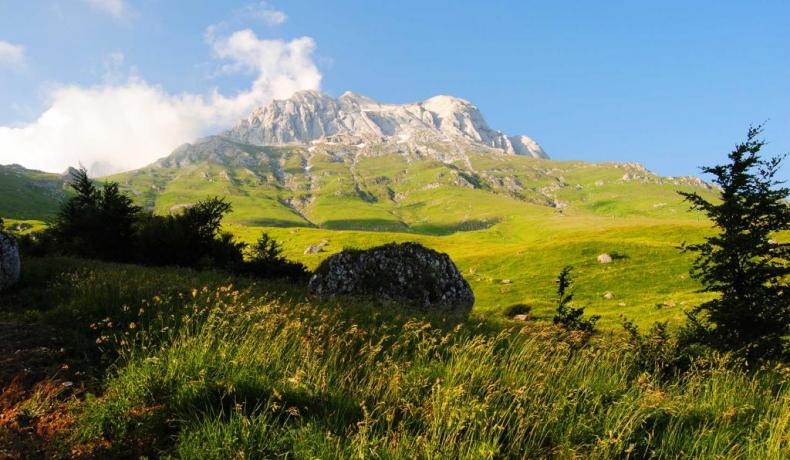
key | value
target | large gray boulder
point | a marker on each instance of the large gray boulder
(9, 261)
(407, 273)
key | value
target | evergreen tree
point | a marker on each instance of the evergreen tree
(96, 222)
(741, 262)
(567, 315)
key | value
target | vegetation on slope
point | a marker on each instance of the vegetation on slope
(29, 195)
(204, 366)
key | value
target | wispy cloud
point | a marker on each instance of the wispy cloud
(116, 8)
(127, 122)
(11, 55)
(265, 12)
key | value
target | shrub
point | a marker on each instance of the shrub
(567, 315)
(265, 260)
(192, 238)
(657, 351)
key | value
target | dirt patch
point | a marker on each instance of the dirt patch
(40, 375)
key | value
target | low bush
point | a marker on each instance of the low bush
(567, 315)
(265, 260)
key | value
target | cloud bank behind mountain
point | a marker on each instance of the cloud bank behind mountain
(113, 126)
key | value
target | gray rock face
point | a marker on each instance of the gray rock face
(312, 116)
(9, 261)
(408, 273)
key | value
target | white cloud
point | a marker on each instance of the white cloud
(11, 55)
(116, 8)
(120, 126)
(265, 12)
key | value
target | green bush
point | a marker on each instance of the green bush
(265, 260)
(567, 315)
(191, 238)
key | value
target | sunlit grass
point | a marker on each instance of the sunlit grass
(205, 366)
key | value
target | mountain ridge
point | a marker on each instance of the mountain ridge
(312, 116)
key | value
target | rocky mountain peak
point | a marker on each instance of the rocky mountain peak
(312, 116)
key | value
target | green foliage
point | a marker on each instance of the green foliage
(657, 351)
(266, 250)
(191, 238)
(741, 262)
(214, 370)
(567, 315)
(265, 260)
(96, 222)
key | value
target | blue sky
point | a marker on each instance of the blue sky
(670, 84)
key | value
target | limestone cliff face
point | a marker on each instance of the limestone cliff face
(314, 117)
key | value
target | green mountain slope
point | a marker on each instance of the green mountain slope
(29, 194)
(509, 222)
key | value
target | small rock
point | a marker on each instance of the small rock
(604, 259)
(506, 282)
(316, 248)
(522, 317)
(608, 295)
(598, 183)
(621, 304)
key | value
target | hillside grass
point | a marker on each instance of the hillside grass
(492, 215)
(517, 261)
(203, 365)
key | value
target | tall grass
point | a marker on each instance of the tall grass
(202, 368)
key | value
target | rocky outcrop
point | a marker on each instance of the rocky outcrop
(9, 261)
(408, 273)
(310, 116)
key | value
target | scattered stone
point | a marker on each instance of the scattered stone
(621, 304)
(521, 317)
(506, 282)
(20, 227)
(608, 295)
(408, 273)
(659, 205)
(604, 259)
(316, 248)
(9, 261)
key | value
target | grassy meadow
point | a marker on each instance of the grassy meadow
(122, 361)
(174, 363)
(510, 223)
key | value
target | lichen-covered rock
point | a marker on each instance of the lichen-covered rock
(316, 248)
(604, 259)
(9, 261)
(408, 273)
